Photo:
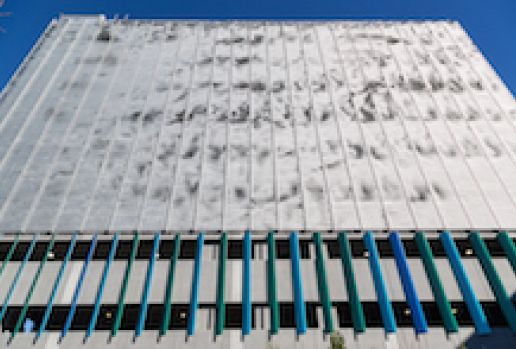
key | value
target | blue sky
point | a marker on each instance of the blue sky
(491, 23)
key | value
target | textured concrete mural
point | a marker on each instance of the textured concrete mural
(113, 125)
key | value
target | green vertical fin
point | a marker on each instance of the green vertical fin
(492, 276)
(357, 311)
(125, 282)
(509, 248)
(221, 285)
(271, 284)
(322, 283)
(170, 283)
(449, 320)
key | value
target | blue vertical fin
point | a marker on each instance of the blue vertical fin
(389, 323)
(77, 292)
(297, 285)
(100, 291)
(418, 316)
(246, 290)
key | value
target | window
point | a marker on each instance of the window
(82, 317)
(384, 248)
(287, 317)
(333, 248)
(464, 247)
(282, 249)
(304, 247)
(166, 248)
(144, 249)
(411, 249)
(495, 249)
(437, 248)
(179, 316)
(81, 250)
(461, 313)
(432, 314)
(154, 316)
(233, 316)
(402, 314)
(188, 249)
(494, 314)
(311, 315)
(60, 249)
(57, 318)
(102, 250)
(372, 314)
(106, 317)
(357, 248)
(344, 314)
(235, 249)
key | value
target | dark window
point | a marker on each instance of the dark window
(81, 250)
(180, 313)
(235, 249)
(304, 247)
(344, 314)
(57, 318)
(154, 317)
(5, 246)
(106, 317)
(461, 313)
(39, 250)
(384, 248)
(402, 314)
(13, 312)
(357, 248)
(123, 250)
(411, 249)
(144, 249)
(372, 314)
(166, 248)
(102, 250)
(464, 247)
(233, 316)
(437, 248)
(179, 316)
(333, 248)
(60, 249)
(495, 249)
(188, 249)
(282, 249)
(311, 315)
(82, 317)
(494, 314)
(287, 317)
(432, 314)
(130, 317)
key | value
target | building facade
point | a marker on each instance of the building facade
(245, 184)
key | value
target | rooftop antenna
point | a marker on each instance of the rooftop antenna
(3, 14)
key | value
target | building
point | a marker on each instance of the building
(196, 184)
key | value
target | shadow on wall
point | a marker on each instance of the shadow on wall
(500, 338)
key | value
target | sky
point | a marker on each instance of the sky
(491, 23)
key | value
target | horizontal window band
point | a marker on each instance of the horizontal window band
(233, 320)
(235, 250)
